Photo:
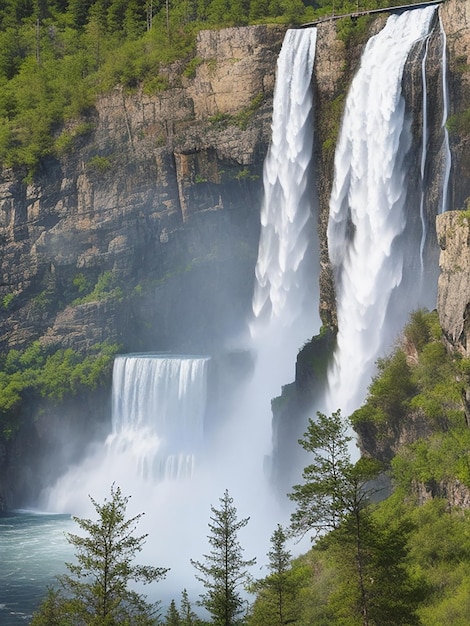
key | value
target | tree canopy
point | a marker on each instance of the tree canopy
(96, 591)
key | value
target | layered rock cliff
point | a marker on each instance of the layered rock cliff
(144, 231)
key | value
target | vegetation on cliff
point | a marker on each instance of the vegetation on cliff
(56, 56)
(41, 372)
(414, 545)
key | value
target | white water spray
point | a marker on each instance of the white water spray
(424, 152)
(285, 298)
(281, 296)
(368, 210)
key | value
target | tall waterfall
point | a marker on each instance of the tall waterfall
(377, 285)
(282, 290)
(445, 99)
(158, 411)
(285, 297)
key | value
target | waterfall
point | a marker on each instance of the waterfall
(424, 152)
(285, 297)
(158, 407)
(282, 294)
(445, 109)
(368, 211)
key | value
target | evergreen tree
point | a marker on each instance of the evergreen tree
(224, 569)
(334, 495)
(51, 612)
(333, 487)
(172, 615)
(95, 591)
(277, 601)
(188, 617)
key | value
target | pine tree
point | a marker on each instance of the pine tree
(188, 617)
(333, 486)
(224, 569)
(335, 494)
(95, 591)
(277, 594)
(172, 615)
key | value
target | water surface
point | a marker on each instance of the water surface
(33, 550)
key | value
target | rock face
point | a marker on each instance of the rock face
(144, 233)
(155, 187)
(454, 281)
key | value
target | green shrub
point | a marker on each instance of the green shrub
(51, 373)
(99, 164)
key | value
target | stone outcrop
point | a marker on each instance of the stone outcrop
(144, 232)
(155, 186)
(453, 304)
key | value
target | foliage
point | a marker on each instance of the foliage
(420, 376)
(51, 611)
(96, 589)
(56, 57)
(106, 287)
(333, 486)
(51, 373)
(224, 569)
(458, 124)
(172, 617)
(187, 616)
(277, 602)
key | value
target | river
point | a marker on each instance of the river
(33, 551)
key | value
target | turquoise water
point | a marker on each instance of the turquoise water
(33, 551)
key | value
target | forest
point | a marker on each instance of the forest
(388, 548)
(56, 56)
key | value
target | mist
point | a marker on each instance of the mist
(235, 452)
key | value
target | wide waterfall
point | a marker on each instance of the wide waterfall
(158, 411)
(378, 271)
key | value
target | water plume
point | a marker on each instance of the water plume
(377, 284)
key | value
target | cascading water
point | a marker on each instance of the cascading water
(424, 152)
(285, 297)
(445, 112)
(281, 293)
(158, 411)
(369, 212)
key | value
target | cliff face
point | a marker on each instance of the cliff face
(143, 233)
(454, 280)
(156, 188)
(145, 230)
